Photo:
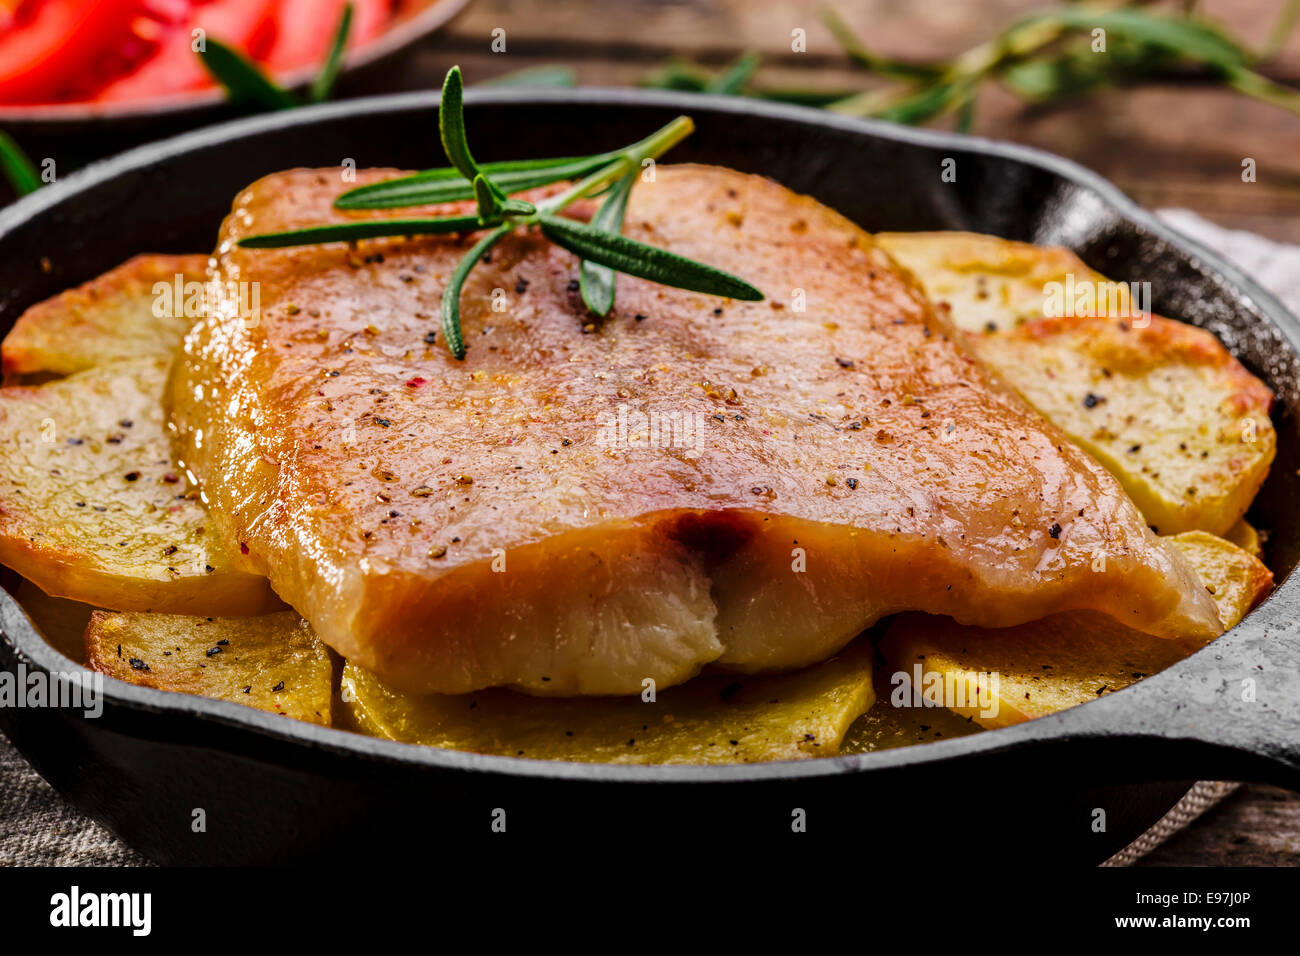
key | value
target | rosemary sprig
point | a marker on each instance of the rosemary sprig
(601, 248)
(1045, 57)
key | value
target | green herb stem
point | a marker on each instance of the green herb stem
(653, 146)
(450, 305)
(600, 247)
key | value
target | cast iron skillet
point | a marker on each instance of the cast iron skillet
(1075, 786)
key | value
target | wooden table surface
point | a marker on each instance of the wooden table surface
(1166, 145)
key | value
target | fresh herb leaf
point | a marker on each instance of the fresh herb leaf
(647, 262)
(323, 85)
(1282, 28)
(370, 229)
(17, 168)
(490, 201)
(450, 306)
(1262, 88)
(1044, 56)
(243, 81)
(966, 113)
(451, 129)
(925, 104)
(676, 75)
(597, 281)
(1189, 38)
(599, 246)
(733, 79)
(857, 52)
(548, 74)
(802, 97)
(448, 185)
(517, 207)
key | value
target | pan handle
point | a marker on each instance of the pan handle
(1231, 711)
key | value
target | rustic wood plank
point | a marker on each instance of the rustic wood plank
(1154, 142)
(1256, 826)
(920, 29)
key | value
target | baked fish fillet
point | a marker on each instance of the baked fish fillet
(583, 504)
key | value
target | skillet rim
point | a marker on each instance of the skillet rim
(17, 629)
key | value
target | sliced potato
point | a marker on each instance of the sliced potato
(273, 662)
(1009, 675)
(114, 317)
(92, 508)
(708, 720)
(1161, 404)
(885, 726)
(986, 284)
(1165, 409)
(1236, 578)
(1245, 536)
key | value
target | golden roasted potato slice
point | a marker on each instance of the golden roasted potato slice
(1165, 409)
(273, 662)
(986, 284)
(92, 508)
(1161, 404)
(884, 726)
(1245, 536)
(708, 720)
(999, 677)
(120, 315)
(114, 317)
(1236, 578)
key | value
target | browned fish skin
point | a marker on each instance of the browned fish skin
(852, 459)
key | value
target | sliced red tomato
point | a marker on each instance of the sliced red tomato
(44, 57)
(305, 30)
(246, 25)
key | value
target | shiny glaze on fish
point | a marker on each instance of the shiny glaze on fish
(453, 525)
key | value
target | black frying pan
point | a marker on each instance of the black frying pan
(275, 790)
